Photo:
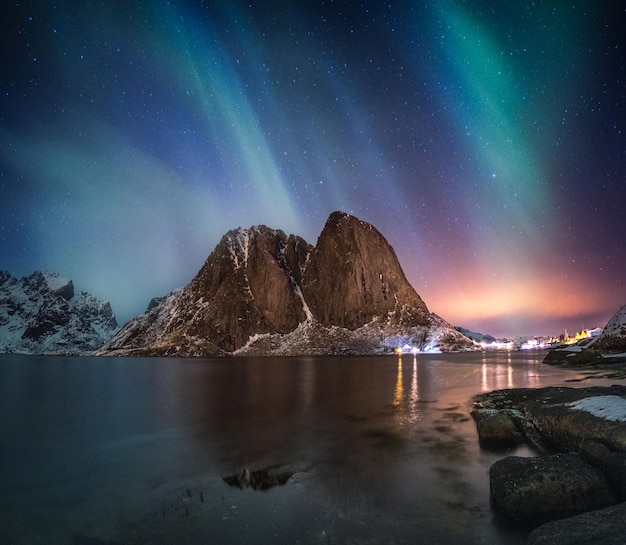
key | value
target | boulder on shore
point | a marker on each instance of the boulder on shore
(496, 429)
(559, 419)
(612, 464)
(606, 526)
(536, 490)
(586, 428)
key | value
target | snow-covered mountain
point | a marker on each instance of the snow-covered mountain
(262, 292)
(478, 337)
(613, 336)
(41, 314)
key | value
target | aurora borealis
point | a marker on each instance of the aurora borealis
(485, 140)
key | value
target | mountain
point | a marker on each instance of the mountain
(354, 276)
(263, 292)
(249, 285)
(613, 336)
(478, 337)
(42, 314)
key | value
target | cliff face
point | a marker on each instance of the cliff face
(248, 286)
(41, 314)
(262, 292)
(354, 275)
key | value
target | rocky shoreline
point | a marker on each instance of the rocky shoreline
(574, 490)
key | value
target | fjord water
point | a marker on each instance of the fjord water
(120, 450)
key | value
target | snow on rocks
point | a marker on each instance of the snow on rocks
(611, 407)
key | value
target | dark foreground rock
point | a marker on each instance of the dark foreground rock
(605, 526)
(581, 434)
(612, 464)
(496, 429)
(557, 419)
(534, 490)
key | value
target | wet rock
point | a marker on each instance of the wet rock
(535, 490)
(553, 414)
(571, 358)
(589, 422)
(606, 526)
(612, 464)
(496, 429)
(565, 427)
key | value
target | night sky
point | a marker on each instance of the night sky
(485, 140)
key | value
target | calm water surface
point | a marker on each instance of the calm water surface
(133, 451)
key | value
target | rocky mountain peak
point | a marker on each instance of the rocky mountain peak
(250, 282)
(354, 275)
(49, 282)
(249, 285)
(263, 292)
(4, 277)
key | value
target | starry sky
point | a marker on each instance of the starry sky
(484, 139)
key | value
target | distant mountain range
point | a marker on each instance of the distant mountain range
(41, 314)
(262, 292)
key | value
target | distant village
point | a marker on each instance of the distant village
(487, 342)
(582, 338)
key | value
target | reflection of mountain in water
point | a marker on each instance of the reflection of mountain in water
(263, 479)
(380, 447)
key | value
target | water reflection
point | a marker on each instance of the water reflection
(504, 373)
(406, 404)
(387, 444)
(415, 396)
(399, 395)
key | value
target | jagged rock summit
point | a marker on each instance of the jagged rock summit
(262, 292)
(42, 314)
(354, 276)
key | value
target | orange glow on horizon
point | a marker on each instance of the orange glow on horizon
(550, 296)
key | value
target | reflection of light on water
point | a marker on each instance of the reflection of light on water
(407, 412)
(415, 396)
(494, 378)
(485, 382)
(532, 379)
(397, 401)
(511, 370)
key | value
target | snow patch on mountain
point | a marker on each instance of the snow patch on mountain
(380, 336)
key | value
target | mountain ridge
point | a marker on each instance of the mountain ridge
(262, 292)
